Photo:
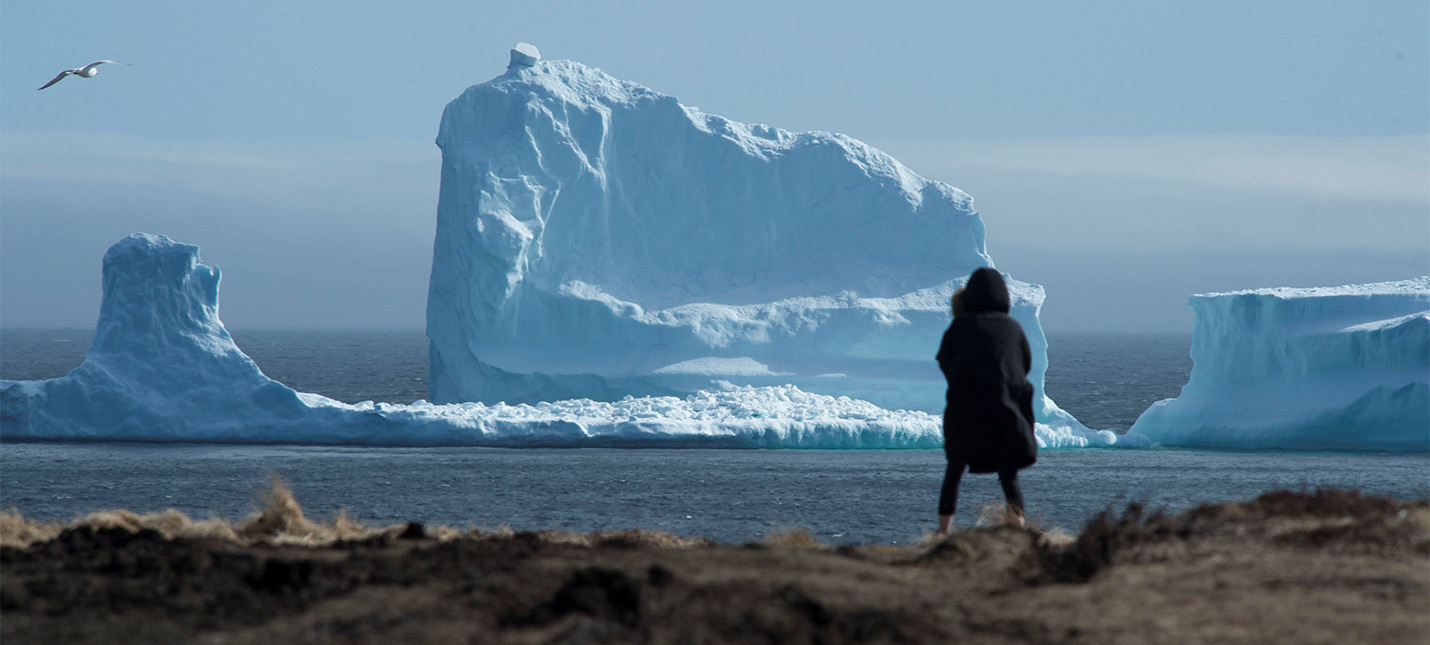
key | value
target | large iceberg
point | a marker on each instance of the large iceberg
(597, 239)
(162, 367)
(1312, 369)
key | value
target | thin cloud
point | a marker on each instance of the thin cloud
(1382, 168)
(288, 172)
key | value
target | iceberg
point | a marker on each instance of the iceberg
(597, 239)
(162, 367)
(1335, 368)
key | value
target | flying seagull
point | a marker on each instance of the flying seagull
(88, 71)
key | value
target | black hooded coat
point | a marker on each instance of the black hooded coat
(986, 359)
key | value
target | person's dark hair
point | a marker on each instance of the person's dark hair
(957, 302)
(986, 291)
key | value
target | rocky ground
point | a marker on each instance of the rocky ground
(1329, 566)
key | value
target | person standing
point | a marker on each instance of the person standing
(988, 418)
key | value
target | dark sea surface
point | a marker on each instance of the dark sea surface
(843, 497)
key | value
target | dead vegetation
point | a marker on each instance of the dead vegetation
(798, 538)
(1286, 566)
(279, 521)
(1335, 518)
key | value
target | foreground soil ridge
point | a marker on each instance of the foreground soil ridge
(1323, 566)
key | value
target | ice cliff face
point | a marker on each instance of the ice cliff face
(1330, 368)
(598, 239)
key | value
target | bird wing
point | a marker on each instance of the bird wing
(57, 78)
(97, 63)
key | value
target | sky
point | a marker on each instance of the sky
(1125, 155)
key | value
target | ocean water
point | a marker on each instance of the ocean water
(843, 497)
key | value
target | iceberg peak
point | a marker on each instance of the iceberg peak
(154, 284)
(523, 55)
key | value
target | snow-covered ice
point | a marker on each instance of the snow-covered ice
(597, 239)
(1314, 369)
(162, 367)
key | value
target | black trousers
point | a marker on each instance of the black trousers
(948, 495)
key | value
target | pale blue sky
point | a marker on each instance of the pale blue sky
(1123, 154)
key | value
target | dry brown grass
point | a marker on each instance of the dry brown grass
(1286, 567)
(630, 537)
(996, 515)
(798, 538)
(1055, 538)
(930, 538)
(16, 531)
(988, 515)
(279, 521)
